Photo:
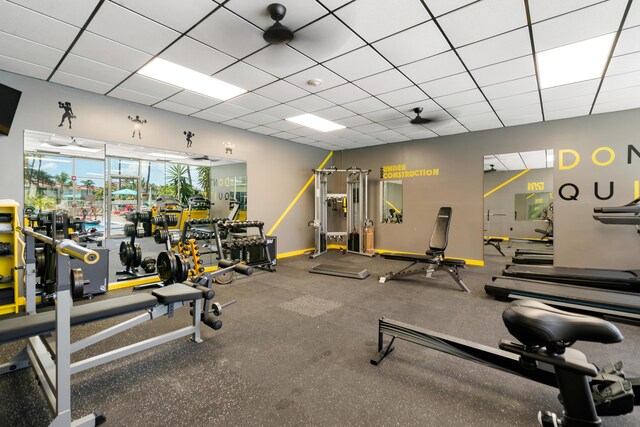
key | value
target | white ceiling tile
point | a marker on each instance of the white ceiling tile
(374, 19)
(245, 76)
(413, 44)
(522, 120)
(22, 67)
(545, 9)
(615, 100)
(229, 110)
(80, 82)
(453, 130)
(358, 64)
(353, 121)
(259, 118)
(621, 81)
(428, 106)
(299, 12)
(343, 94)
(133, 96)
(93, 70)
(534, 159)
(281, 91)
(334, 4)
(384, 115)
(521, 111)
(440, 7)
(303, 140)
(171, 13)
(398, 123)
(325, 39)
(624, 64)
(383, 82)
(470, 109)
(239, 123)
(512, 161)
(633, 17)
(252, 102)
(370, 128)
(510, 88)
(310, 103)
(132, 29)
(283, 112)
(483, 125)
(603, 18)
(402, 96)
(263, 130)
(461, 98)
(449, 85)
(333, 113)
(566, 113)
(303, 131)
(560, 93)
(211, 116)
(513, 102)
(628, 42)
(389, 136)
(482, 20)
(25, 23)
(193, 100)
(417, 132)
(193, 54)
(577, 102)
(107, 51)
(284, 125)
(279, 60)
(26, 50)
(217, 31)
(436, 67)
(328, 79)
(505, 71)
(74, 12)
(149, 86)
(496, 49)
(365, 105)
(175, 107)
(285, 135)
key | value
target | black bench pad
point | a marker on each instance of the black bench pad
(37, 324)
(411, 258)
(176, 293)
(453, 262)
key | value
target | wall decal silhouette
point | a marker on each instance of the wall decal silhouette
(189, 136)
(68, 113)
(137, 124)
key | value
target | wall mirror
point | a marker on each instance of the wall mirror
(113, 191)
(391, 202)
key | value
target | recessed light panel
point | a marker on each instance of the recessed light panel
(575, 62)
(186, 78)
(315, 122)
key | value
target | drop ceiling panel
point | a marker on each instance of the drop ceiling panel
(621, 81)
(384, 82)
(131, 29)
(384, 115)
(505, 71)
(216, 30)
(615, 100)
(325, 39)
(516, 101)
(93, 70)
(173, 14)
(259, 118)
(511, 161)
(535, 159)
(284, 125)
(253, 102)
(474, 126)
(22, 67)
(461, 98)
(453, 130)
(239, 123)
(280, 61)
(417, 132)
(389, 136)
(628, 42)
(263, 130)
(624, 64)
(633, 17)
(520, 111)
(603, 18)
(193, 100)
(192, 54)
(101, 49)
(436, 67)
(328, 79)
(36, 27)
(470, 109)
(365, 105)
(133, 96)
(513, 87)
(229, 110)
(80, 82)
(496, 49)
(545, 9)
(449, 85)
(245, 76)
(343, 94)
(569, 103)
(375, 19)
(303, 131)
(369, 128)
(26, 50)
(358, 64)
(310, 103)
(567, 113)
(440, 7)
(353, 121)
(402, 96)
(149, 86)
(334, 113)
(281, 91)
(211, 116)
(74, 12)
(569, 91)
(397, 124)
(522, 120)
(299, 12)
(283, 111)
(413, 44)
(175, 107)
(482, 20)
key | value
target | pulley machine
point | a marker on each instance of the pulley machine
(354, 203)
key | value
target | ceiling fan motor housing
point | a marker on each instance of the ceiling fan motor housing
(277, 33)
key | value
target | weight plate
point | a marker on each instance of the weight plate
(138, 255)
(123, 252)
(167, 267)
(41, 263)
(77, 283)
(160, 236)
(182, 268)
(129, 230)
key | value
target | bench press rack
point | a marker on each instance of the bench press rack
(52, 362)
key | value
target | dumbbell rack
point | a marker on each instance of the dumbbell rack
(230, 243)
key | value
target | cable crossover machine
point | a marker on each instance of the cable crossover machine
(357, 230)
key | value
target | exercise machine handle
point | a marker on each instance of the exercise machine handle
(67, 247)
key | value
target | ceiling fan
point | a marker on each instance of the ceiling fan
(204, 157)
(492, 169)
(56, 141)
(418, 119)
(277, 33)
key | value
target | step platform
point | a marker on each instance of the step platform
(347, 271)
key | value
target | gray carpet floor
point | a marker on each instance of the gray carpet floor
(295, 349)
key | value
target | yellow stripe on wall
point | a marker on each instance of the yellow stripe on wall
(506, 182)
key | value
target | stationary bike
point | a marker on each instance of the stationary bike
(542, 355)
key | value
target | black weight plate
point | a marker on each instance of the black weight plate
(167, 267)
(124, 253)
(77, 283)
(41, 263)
(138, 255)
(182, 268)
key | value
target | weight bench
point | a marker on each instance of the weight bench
(495, 242)
(434, 258)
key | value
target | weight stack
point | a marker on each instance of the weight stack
(353, 243)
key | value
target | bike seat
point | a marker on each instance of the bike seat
(536, 324)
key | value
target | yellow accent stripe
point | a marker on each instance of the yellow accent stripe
(506, 182)
(294, 253)
(391, 204)
(531, 195)
(506, 239)
(636, 189)
(295, 200)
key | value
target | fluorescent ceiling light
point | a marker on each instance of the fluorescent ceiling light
(168, 156)
(575, 62)
(47, 159)
(71, 148)
(186, 78)
(315, 122)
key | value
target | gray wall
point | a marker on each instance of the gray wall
(579, 240)
(276, 169)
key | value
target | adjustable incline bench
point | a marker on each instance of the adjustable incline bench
(52, 363)
(434, 258)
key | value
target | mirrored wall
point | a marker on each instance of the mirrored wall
(99, 186)
(391, 202)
